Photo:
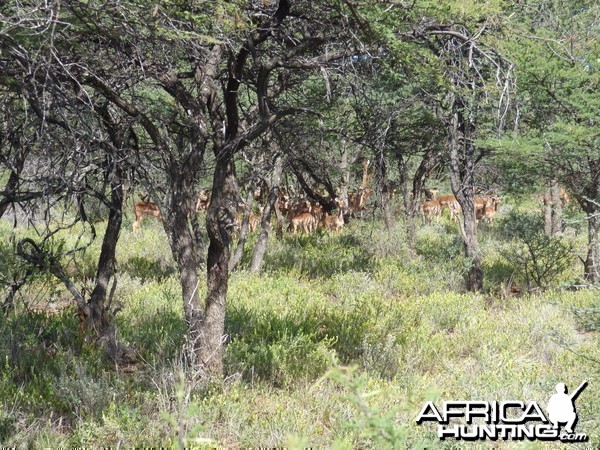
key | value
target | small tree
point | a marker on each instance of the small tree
(540, 258)
(557, 59)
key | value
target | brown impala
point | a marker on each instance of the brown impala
(144, 209)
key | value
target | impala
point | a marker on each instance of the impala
(486, 207)
(203, 201)
(358, 200)
(303, 214)
(491, 208)
(145, 209)
(430, 208)
(304, 221)
(480, 204)
(334, 222)
(449, 201)
(254, 220)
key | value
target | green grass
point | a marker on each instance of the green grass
(337, 344)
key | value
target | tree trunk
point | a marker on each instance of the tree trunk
(243, 232)
(99, 318)
(592, 261)
(265, 220)
(462, 165)
(182, 247)
(345, 169)
(557, 215)
(408, 202)
(220, 221)
(198, 238)
(382, 187)
(13, 180)
(548, 211)
(471, 244)
(177, 209)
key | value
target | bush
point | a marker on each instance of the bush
(86, 395)
(7, 426)
(147, 269)
(436, 245)
(288, 358)
(152, 317)
(317, 255)
(538, 258)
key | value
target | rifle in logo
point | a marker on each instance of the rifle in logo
(561, 407)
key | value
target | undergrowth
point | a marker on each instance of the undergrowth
(337, 343)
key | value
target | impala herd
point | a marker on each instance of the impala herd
(486, 207)
(306, 215)
(302, 214)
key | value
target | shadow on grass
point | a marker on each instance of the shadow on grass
(157, 337)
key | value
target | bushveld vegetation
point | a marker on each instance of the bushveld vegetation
(290, 224)
(338, 342)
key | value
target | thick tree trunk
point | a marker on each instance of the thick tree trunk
(383, 194)
(198, 239)
(182, 247)
(548, 211)
(408, 201)
(592, 261)
(553, 221)
(220, 221)
(468, 228)
(265, 220)
(13, 181)
(557, 214)
(462, 165)
(345, 169)
(99, 318)
(411, 231)
(244, 228)
(182, 240)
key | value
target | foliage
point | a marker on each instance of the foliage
(283, 327)
(539, 258)
(97, 97)
(375, 429)
(308, 258)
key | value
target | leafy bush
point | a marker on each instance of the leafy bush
(152, 317)
(317, 255)
(30, 343)
(7, 425)
(85, 394)
(147, 269)
(438, 246)
(538, 258)
(285, 360)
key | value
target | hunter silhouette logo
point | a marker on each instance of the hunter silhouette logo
(561, 407)
(512, 419)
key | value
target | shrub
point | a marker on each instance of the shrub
(436, 245)
(152, 317)
(7, 425)
(147, 269)
(317, 255)
(86, 395)
(537, 257)
(285, 360)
